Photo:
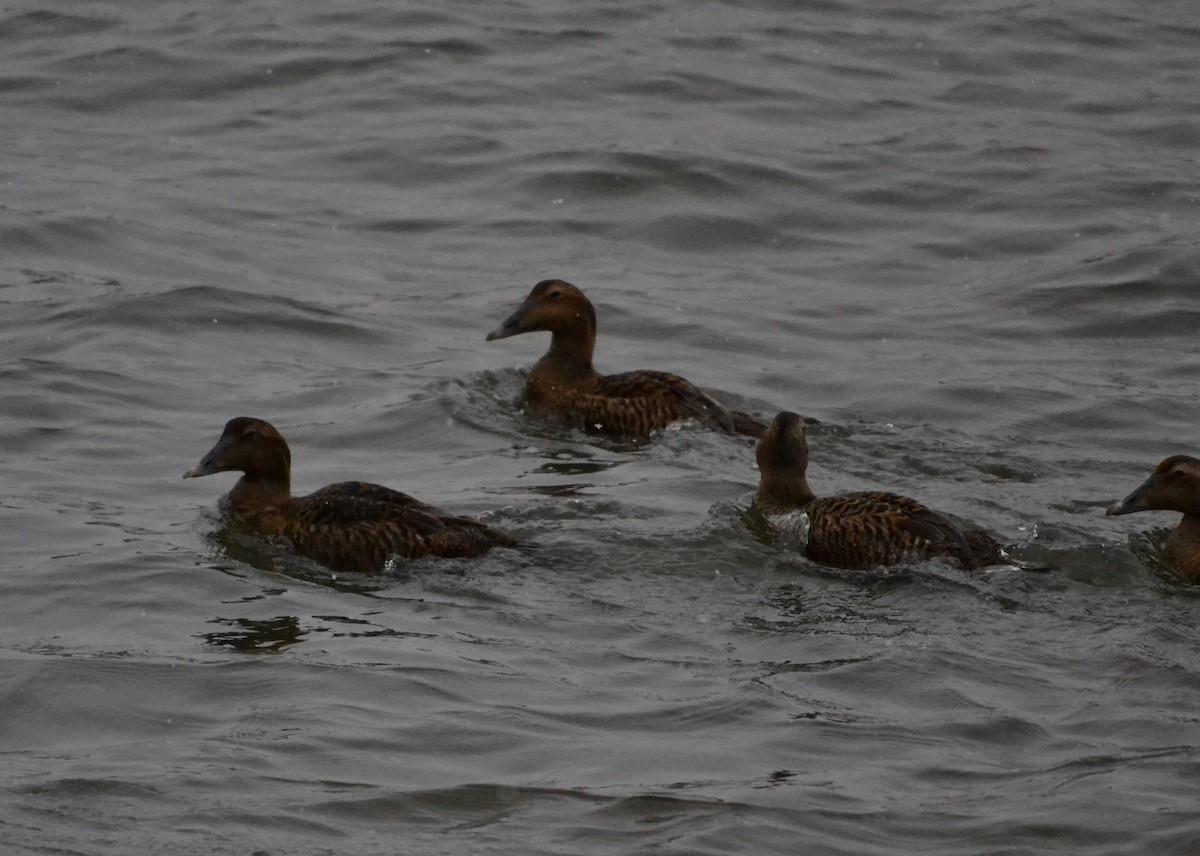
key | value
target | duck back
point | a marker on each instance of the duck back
(864, 530)
(633, 403)
(854, 530)
(359, 526)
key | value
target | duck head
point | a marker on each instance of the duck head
(553, 305)
(249, 446)
(782, 455)
(783, 447)
(1173, 486)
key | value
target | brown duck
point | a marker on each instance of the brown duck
(1173, 486)
(353, 526)
(856, 530)
(563, 383)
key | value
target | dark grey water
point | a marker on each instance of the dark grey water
(965, 238)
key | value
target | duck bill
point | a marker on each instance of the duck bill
(210, 463)
(513, 325)
(1136, 501)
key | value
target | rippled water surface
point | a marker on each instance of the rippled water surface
(964, 238)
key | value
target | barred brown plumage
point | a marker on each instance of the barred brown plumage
(563, 383)
(352, 526)
(854, 530)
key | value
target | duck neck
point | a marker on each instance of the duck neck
(1190, 523)
(254, 493)
(1183, 546)
(570, 354)
(780, 492)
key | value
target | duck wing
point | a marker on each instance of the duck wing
(357, 526)
(355, 502)
(864, 530)
(639, 402)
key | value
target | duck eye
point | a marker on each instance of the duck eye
(555, 295)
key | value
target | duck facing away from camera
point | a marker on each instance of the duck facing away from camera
(351, 526)
(855, 530)
(563, 384)
(1173, 486)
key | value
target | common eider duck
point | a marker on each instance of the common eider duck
(855, 530)
(1173, 486)
(563, 383)
(352, 526)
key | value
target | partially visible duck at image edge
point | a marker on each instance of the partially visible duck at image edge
(855, 530)
(351, 526)
(1173, 486)
(563, 383)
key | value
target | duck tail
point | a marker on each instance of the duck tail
(744, 423)
(984, 549)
